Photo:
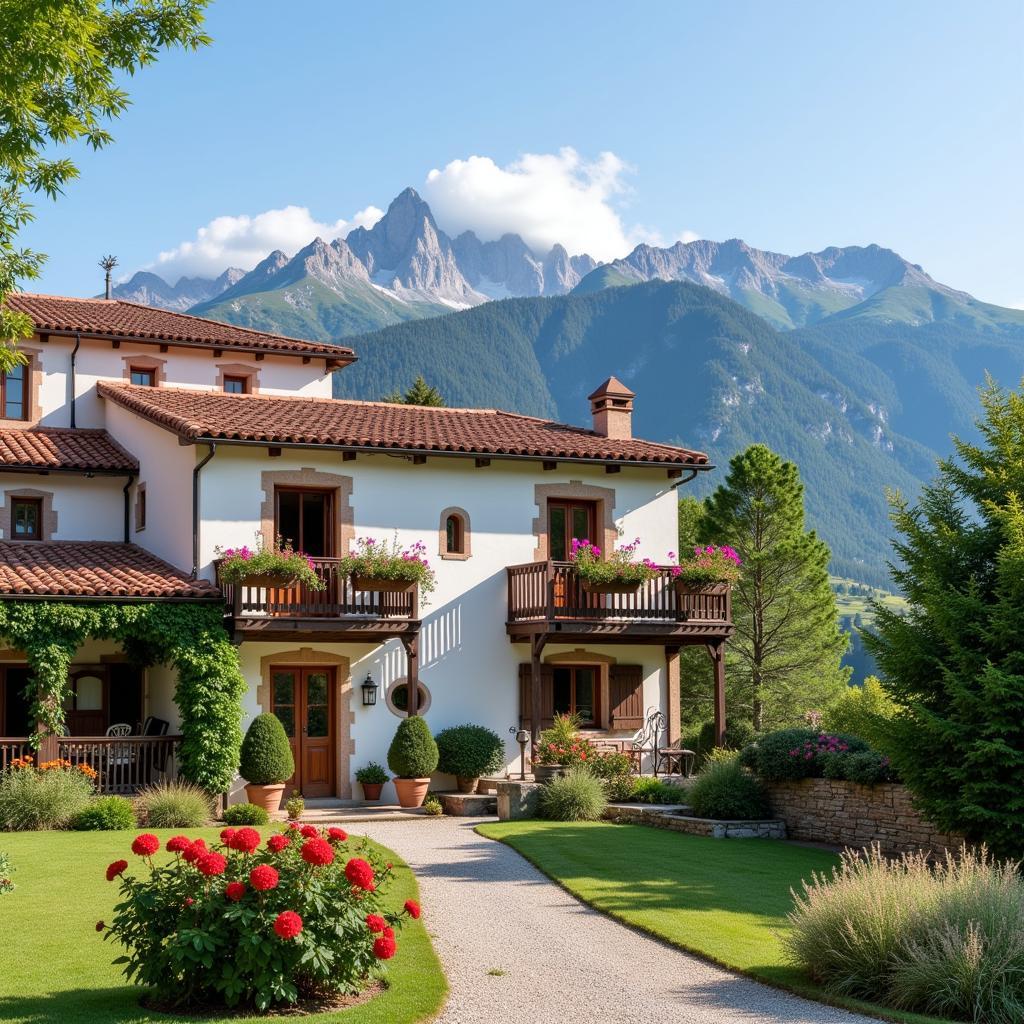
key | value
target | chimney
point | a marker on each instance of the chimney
(611, 405)
(108, 263)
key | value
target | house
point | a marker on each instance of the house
(137, 443)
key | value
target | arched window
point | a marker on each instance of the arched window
(453, 534)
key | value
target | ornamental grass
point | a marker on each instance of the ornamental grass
(44, 797)
(174, 805)
(254, 924)
(944, 939)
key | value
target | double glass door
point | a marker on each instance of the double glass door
(303, 699)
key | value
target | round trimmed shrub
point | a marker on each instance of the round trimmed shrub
(174, 805)
(105, 814)
(726, 791)
(469, 751)
(32, 799)
(266, 753)
(246, 814)
(577, 796)
(413, 752)
(796, 753)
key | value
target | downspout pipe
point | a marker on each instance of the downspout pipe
(74, 360)
(195, 506)
(127, 506)
(684, 480)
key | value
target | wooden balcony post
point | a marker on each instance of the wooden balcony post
(717, 655)
(412, 674)
(549, 589)
(674, 726)
(536, 650)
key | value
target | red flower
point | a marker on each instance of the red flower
(245, 840)
(375, 922)
(337, 835)
(211, 864)
(277, 842)
(234, 891)
(189, 901)
(100, 926)
(225, 835)
(359, 873)
(310, 831)
(195, 850)
(145, 845)
(288, 924)
(178, 844)
(384, 947)
(115, 869)
(263, 878)
(317, 852)
(294, 825)
(412, 908)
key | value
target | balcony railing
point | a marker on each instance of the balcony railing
(338, 599)
(553, 590)
(123, 764)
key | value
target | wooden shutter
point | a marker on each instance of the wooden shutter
(547, 696)
(625, 697)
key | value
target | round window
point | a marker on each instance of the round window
(398, 698)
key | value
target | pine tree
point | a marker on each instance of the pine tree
(785, 656)
(421, 393)
(955, 661)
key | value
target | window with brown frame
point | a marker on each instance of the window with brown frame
(576, 691)
(14, 393)
(26, 519)
(568, 521)
(305, 519)
(143, 376)
(455, 535)
(140, 508)
(235, 385)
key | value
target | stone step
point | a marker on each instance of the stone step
(490, 785)
(469, 805)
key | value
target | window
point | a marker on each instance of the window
(14, 397)
(575, 692)
(140, 507)
(143, 376)
(26, 519)
(236, 385)
(568, 521)
(453, 535)
(398, 698)
(305, 519)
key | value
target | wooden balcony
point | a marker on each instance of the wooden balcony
(338, 613)
(549, 599)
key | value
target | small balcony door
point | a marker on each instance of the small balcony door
(568, 521)
(303, 699)
(305, 519)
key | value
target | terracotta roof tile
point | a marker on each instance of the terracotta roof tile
(92, 569)
(115, 318)
(61, 448)
(271, 419)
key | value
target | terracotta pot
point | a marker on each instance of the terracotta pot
(267, 797)
(610, 588)
(466, 784)
(411, 792)
(547, 772)
(371, 790)
(382, 586)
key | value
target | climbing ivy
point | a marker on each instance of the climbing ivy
(188, 637)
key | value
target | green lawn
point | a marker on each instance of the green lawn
(724, 899)
(55, 967)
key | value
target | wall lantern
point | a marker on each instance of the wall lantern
(369, 689)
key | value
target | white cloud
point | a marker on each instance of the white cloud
(544, 197)
(244, 240)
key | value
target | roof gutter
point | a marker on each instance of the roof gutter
(73, 471)
(375, 450)
(195, 506)
(74, 363)
(685, 479)
(111, 599)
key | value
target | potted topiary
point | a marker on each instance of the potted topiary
(412, 756)
(372, 778)
(266, 762)
(467, 752)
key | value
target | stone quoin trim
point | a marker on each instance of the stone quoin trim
(47, 518)
(139, 362)
(314, 479)
(250, 373)
(442, 535)
(307, 657)
(33, 386)
(604, 497)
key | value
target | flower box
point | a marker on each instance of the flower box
(382, 586)
(610, 588)
(270, 579)
(682, 587)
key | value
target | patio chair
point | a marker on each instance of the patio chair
(646, 741)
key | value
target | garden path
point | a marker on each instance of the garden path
(518, 949)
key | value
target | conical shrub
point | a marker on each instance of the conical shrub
(413, 753)
(266, 754)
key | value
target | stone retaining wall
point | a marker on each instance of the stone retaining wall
(846, 814)
(669, 817)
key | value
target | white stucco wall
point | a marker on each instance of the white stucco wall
(87, 509)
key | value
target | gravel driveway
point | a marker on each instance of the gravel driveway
(517, 949)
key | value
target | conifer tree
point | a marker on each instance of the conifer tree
(785, 656)
(955, 661)
(421, 393)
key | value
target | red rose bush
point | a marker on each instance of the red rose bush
(253, 924)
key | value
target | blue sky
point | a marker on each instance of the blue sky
(793, 126)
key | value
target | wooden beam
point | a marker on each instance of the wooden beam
(164, 348)
(418, 460)
(412, 673)
(114, 343)
(480, 463)
(673, 473)
(536, 650)
(549, 466)
(675, 728)
(348, 456)
(612, 469)
(274, 451)
(217, 353)
(260, 356)
(306, 360)
(717, 654)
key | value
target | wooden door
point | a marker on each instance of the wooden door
(568, 521)
(87, 703)
(303, 699)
